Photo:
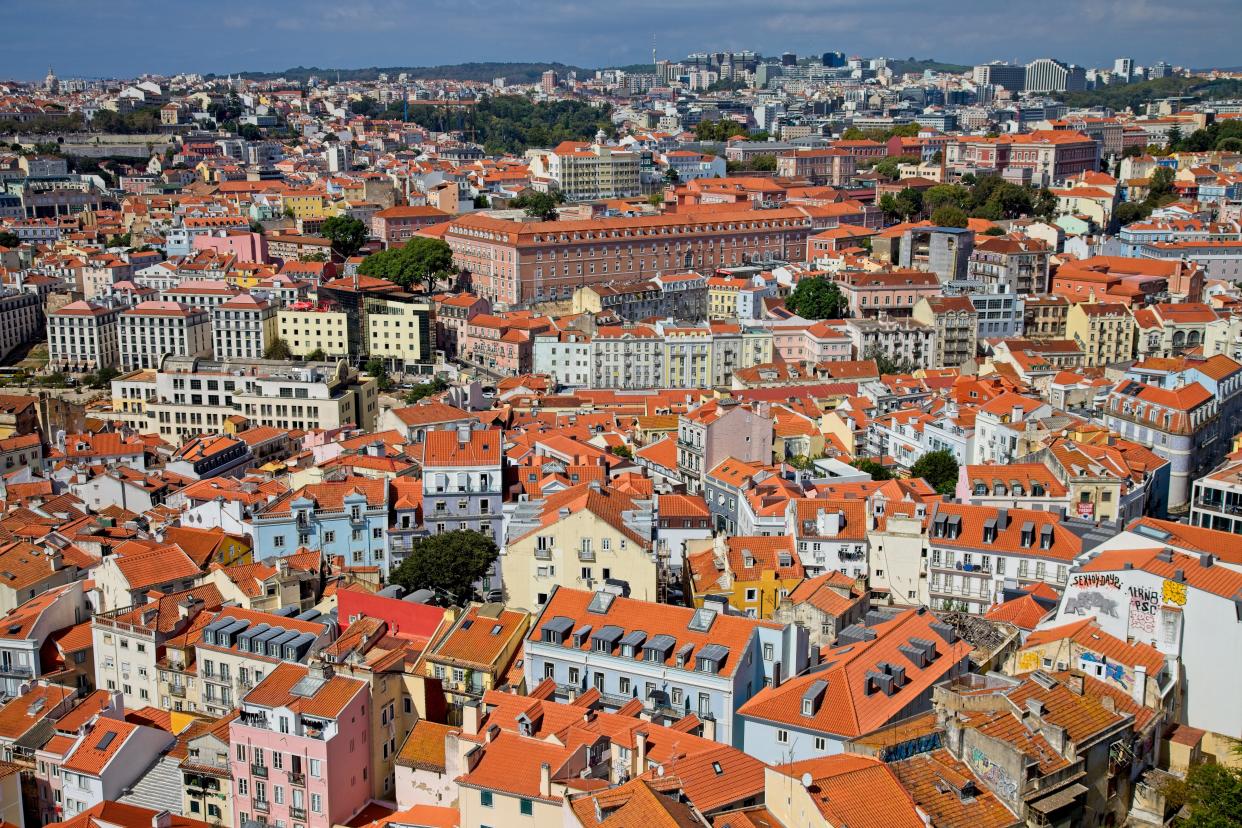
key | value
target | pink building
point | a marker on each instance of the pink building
(894, 293)
(818, 342)
(452, 313)
(300, 750)
(396, 225)
(246, 246)
(503, 343)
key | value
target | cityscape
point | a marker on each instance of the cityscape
(759, 437)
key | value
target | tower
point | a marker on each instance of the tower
(50, 83)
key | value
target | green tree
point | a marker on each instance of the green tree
(1046, 204)
(1161, 184)
(763, 163)
(873, 468)
(656, 199)
(994, 231)
(375, 367)
(947, 195)
(541, 206)
(346, 233)
(949, 216)
(889, 207)
(449, 564)
(1211, 795)
(277, 349)
(939, 469)
(623, 451)
(421, 261)
(8, 239)
(886, 364)
(103, 377)
(1131, 211)
(317, 256)
(1174, 139)
(817, 298)
(909, 203)
(887, 167)
(426, 389)
(316, 355)
(481, 202)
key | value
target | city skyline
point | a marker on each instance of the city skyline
(230, 36)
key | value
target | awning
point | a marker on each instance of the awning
(1060, 799)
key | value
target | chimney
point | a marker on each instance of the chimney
(709, 729)
(162, 819)
(1139, 690)
(470, 717)
(1074, 682)
(640, 752)
(545, 780)
(1035, 707)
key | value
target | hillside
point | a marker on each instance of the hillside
(484, 72)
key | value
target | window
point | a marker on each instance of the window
(243, 787)
(769, 652)
(313, 768)
(278, 541)
(705, 704)
(624, 685)
(782, 736)
(316, 802)
(485, 799)
(821, 743)
(526, 807)
(752, 595)
(329, 537)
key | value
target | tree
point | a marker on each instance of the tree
(375, 367)
(316, 355)
(317, 256)
(994, 231)
(623, 451)
(277, 349)
(939, 469)
(103, 377)
(481, 202)
(671, 177)
(541, 206)
(1046, 204)
(1130, 211)
(8, 239)
(1161, 184)
(949, 216)
(887, 167)
(873, 468)
(817, 298)
(946, 195)
(763, 163)
(1211, 795)
(655, 199)
(886, 364)
(420, 261)
(426, 389)
(449, 564)
(1174, 139)
(909, 203)
(346, 233)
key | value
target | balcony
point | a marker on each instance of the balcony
(298, 779)
(17, 670)
(586, 555)
(177, 690)
(262, 806)
(297, 813)
(1217, 506)
(259, 770)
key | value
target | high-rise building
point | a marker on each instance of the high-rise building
(833, 60)
(1160, 69)
(1049, 75)
(1012, 76)
(789, 59)
(1123, 68)
(549, 81)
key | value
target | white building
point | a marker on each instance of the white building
(82, 336)
(243, 327)
(150, 331)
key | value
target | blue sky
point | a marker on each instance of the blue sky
(128, 37)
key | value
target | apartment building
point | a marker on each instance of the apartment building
(238, 647)
(975, 550)
(901, 340)
(475, 654)
(396, 225)
(583, 171)
(307, 328)
(515, 263)
(194, 395)
(1104, 331)
(718, 430)
(243, 327)
(150, 331)
(673, 660)
(105, 760)
(956, 325)
(300, 748)
(400, 333)
(83, 336)
(1010, 265)
(462, 484)
(830, 167)
(1042, 157)
(346, 518)
(21, 319)
(586, 535)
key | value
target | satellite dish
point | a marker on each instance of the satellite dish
(806, 780)
(659, 770)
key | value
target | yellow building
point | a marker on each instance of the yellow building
(306, 205)
(305, 331)
(474, 656)
(578, 536)
(722, 296)
(687, 358)
(399, 332)
(753, 573)
(1104, 331)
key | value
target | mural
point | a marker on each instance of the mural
(1174, 592)
(1085, 602)
(1143, 605)
(1028, 661)
(994, 776)
(1112, 672)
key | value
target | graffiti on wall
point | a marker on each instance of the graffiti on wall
(993, 776)
(1143, 605)
(1097, 580)
(912, 747)
(1028, 661)
(1091, 603)
(1112, 672)
(1174, 592)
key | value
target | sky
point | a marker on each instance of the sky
(125, 38)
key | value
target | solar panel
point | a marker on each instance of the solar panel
(106, 740)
